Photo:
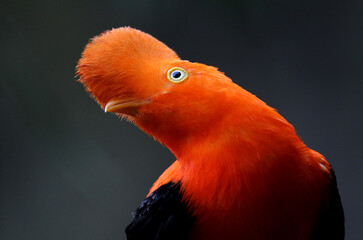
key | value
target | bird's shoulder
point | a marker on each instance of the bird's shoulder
(162, 215)
(331, 221)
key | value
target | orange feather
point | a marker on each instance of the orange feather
(243, 171)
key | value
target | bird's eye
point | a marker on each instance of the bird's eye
(177, 75)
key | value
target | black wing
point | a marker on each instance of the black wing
(161, 216)
(331, 222)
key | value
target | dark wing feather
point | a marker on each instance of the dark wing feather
(161, 216)
(331, 222)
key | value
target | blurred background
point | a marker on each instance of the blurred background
(70, 171)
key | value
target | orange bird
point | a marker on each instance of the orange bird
(241, 171)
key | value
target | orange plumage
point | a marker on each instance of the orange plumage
(243, 171)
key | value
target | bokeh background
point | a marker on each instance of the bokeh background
(70, 171)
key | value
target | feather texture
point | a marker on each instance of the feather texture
(241, 168)
(161, 216)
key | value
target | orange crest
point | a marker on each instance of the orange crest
(112, 64)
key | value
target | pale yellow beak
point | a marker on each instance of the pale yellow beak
(128, 107)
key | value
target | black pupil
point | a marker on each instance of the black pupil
(176, 74)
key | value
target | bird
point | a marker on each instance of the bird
(240, 170)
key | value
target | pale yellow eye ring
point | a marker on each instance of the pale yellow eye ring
(177, 74)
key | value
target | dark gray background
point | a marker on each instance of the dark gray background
(70, 171)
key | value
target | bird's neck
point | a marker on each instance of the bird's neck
(228, 147)
(234, 155)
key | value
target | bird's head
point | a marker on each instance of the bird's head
(132, 74)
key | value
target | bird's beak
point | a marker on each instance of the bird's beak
(128, 107)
